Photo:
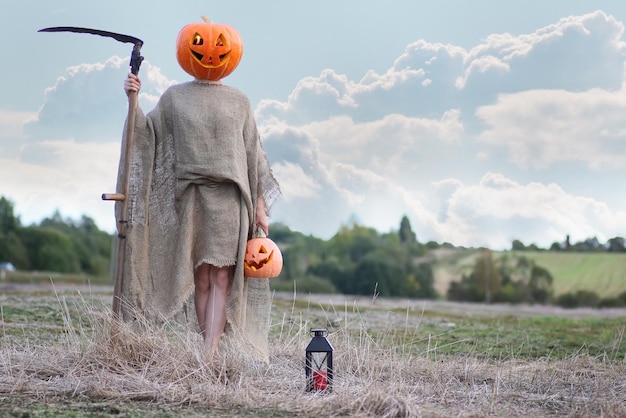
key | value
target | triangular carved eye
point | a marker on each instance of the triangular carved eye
(220, 41)
(262, 250)
(197, 39)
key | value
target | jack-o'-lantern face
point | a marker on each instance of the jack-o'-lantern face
(263, 259)
(208, 51)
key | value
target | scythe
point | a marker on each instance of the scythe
(122, 193)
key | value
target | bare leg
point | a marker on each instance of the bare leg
(219, 278)
(201, 296)
(212, 288)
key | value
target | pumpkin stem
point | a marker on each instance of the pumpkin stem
(206, 19)
(260, 233)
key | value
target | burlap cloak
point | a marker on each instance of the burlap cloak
(198, 132)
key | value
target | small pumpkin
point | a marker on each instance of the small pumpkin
(207, 50)
(263, 259)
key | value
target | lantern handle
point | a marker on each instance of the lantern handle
(318, 332)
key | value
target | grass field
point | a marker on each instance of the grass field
(603, 273)
(59, 356)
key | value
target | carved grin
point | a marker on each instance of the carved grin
(255, 265)
(221, 59)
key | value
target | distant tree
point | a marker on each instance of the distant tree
(432, 245)
(8, 221)
(339, 275)
(580, 298)
(540, 285)
(50, 250)
(487, 275)
(481, 285)
(517, 245)
(465, 289)
(512, 279)
(556, 246)
(567, 300)
(533, 247)
(11, 246)
(377, 273)
(590, 244)
(611, 302)
(12, 250)
(352, 243)
(90, 245)
(616, 245)
(300, 252)
(281, 233)
(406, 234)
(421, 280)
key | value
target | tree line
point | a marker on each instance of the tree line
(593, 244)
(55, 244)
(357, 260)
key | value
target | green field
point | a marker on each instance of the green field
(603, 273)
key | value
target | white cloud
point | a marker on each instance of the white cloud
(67, 153)
(391, 146)
(11, 131)
(495, 210)
(543, 127)
(12, 123)
(72, 180)
(294, 182)
(408, 141)
(425, 138)
(88, 102)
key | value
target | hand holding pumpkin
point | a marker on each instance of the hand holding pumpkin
(261, 216)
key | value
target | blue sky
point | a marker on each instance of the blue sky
(482, 121)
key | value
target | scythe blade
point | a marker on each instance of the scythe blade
(135, 59)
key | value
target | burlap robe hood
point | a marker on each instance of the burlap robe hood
(158, 271)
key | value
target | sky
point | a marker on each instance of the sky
(482, 121)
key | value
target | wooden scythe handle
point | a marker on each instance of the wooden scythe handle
(122, 197)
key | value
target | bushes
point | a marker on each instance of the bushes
(356, 260)
(590, 299)
(507, 280)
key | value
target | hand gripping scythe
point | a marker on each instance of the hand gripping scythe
(121, 195)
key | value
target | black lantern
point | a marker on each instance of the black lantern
(319, 362)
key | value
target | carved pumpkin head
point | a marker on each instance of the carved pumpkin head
(207, 50)
(263, 258)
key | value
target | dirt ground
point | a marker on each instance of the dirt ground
(160, 372)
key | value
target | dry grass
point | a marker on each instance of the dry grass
(162, 370)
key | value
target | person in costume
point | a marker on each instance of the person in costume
(200, 184)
